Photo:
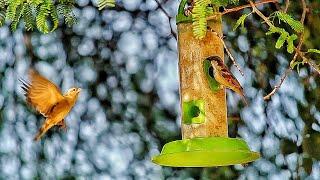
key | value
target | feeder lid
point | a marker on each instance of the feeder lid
(205, 152)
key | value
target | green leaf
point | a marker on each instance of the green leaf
(2, 4)
(274, 29)
(106, 3)
(54, 17)
(313, 51)
(199, 15)
(290, 39)
(282, 38)
(18, 14)
(36, 2)
(240, 21)
(28, 17)
(218, 3)
(66, 11)
(41, 19)
(294, 24)
(2, 18)
(12, 8)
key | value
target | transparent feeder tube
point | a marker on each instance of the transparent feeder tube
(203, 105)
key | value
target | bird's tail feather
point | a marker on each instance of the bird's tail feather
(45, 127)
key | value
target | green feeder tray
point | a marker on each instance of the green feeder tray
(205, 152)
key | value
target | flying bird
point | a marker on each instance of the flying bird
(224, 77)
(47, 99)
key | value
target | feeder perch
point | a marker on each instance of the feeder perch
(204, 126)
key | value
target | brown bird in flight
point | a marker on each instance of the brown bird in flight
(47, 99)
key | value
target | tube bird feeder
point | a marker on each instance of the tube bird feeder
(204, 124)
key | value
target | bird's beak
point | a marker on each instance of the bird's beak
(78, 90)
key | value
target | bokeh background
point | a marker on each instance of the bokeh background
(125, 60)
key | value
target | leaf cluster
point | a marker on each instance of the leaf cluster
(201, 10)
(284, 35)
(40, 14)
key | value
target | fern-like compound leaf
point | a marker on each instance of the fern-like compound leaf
(17, 17)
(290, 39)
(66, 11)
(317, 51)
(282, 38)
(3, 4)
(2, 17)
(240, 21)
(41, 18)
(12, 8)
(106, 3)
(219, 3)
(199, 15)
(28, 17)
(286, 18)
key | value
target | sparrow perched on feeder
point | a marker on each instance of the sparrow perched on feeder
(47, 99)
(224, 77)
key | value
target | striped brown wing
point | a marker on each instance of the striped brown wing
(41, 93)
(227, 75)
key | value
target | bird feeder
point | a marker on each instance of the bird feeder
(204, 124)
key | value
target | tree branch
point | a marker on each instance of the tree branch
(314, 66)
(287, 6)
(259, 13)
(238, 8)
(248, 5)
(277, 87)
(227, 50)
(231, 57)
(169, 17)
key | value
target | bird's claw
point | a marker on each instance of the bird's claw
(62, 125)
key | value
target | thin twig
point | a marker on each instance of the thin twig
(304, 11)
(309, 61)
(169, 17)
(228, 51)
(238, 8)
(287, 6)
(248, 5)
(315, 67)
(259, 13)
(277, 87)
(231, 57)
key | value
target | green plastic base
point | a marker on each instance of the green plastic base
(205, 152)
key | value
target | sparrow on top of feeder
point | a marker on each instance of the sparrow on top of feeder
(49, 101)
(223, 76)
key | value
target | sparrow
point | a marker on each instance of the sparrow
(224, 77)
(48, 100)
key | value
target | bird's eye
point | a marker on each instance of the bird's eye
(73, 89)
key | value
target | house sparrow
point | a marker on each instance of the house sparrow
(47, 99)
(224, 77)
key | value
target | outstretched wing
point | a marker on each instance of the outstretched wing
(41, 93)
